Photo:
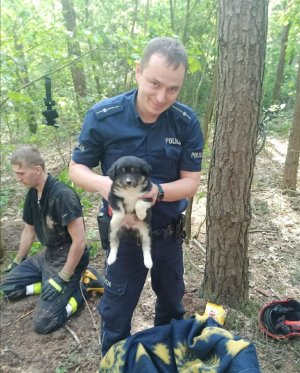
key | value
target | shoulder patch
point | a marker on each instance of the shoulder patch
(182, 113)
(107, 110)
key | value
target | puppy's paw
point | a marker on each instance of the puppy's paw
(112, 257)
(141, 208)
(148, 261)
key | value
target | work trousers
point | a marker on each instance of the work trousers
(124, 282)
(48, 315)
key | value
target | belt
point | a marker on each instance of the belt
(175, 230)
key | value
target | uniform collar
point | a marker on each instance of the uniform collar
(48, 185)
(137, 115)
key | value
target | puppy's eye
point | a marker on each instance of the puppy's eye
(132, 169)
(123, 169)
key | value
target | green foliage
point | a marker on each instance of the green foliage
(2, 295)
(35, 248)
(280, 125)
(35, 45)
(260, 207)
(283, 13)
(94, 249)
(85, 201)
(61, 370)
(4, 198)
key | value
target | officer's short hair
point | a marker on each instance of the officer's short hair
(168, 47)
(27, 156)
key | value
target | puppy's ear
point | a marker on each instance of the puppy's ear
(112, 172)
(146, 168)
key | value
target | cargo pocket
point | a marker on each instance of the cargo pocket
(115, 288)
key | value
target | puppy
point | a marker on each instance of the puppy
(131, 180)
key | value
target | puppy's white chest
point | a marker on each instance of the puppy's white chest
(130, 196)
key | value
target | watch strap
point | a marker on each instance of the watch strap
(160, 194)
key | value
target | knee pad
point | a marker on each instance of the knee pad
(43, 323)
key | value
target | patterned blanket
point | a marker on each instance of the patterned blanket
(198, 344)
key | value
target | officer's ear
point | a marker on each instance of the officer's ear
(138, 71)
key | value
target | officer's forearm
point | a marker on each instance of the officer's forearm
(77, 233)
(186, 187)
(27, 238)
(75, 254)
(87, 179)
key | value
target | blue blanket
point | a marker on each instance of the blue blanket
(198, 344)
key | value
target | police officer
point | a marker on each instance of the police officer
(53, 212)
(150, 124)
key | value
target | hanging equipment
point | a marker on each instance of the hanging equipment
(50, 114)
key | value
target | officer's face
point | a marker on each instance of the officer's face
(27, 175)
(158, 87)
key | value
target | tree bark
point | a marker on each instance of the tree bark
(78, 75)
(281, 63)
(292, 157)
(242, 41)
(210, 104)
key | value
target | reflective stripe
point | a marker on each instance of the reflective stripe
(55, 285)
(69, 310)
(34, 288)
(29, 289)
(71, 307)
(37, 288)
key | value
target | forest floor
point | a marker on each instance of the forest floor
(274, 258)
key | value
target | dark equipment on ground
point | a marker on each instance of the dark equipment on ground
(280, 319)
(50, 114)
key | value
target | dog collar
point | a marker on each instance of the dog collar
(160, 194)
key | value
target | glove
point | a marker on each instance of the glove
(13, 265)
(54, 286)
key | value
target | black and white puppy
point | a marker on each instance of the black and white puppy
(131, 180)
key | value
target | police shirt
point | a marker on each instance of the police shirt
(112, 128)
(50, 215)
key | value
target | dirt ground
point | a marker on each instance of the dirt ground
(274, 258)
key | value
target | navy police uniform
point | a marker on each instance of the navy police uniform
(58, 206)
(112, 129)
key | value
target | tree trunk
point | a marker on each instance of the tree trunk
(78, 75)
(242, 40)
(281, 63)
(210, 104)
(95, 58)
(186, 22)
(292, 157)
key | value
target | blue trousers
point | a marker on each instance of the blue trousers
(124, 282)
(48, 315)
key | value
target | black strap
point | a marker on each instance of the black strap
(176, 230)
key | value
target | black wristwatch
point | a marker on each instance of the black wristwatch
(160, 194)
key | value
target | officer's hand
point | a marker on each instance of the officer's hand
(54, 286)
(13, 265)
(151, 196)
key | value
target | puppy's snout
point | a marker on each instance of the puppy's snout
(128, 182)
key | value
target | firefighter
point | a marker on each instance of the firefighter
(52, 212)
